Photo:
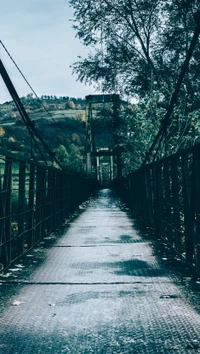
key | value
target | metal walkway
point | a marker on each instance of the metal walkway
(99, 288)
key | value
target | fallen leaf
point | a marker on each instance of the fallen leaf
(17, 302)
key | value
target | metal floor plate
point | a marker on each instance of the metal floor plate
(100, 288)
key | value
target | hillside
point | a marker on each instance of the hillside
(60, 121)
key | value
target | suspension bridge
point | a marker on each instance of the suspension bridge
(102, 262)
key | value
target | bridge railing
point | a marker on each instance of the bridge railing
(166, 195)
(34, 200)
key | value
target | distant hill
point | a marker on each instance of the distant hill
(60, 121)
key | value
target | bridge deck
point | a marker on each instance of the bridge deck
(100, 288)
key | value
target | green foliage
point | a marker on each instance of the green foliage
(64, 133)
(2, 131)
(129, 31)
(62, 155)
(69, 105)
(75, 164)
(140, 127)
(144, 46)
(144, 43)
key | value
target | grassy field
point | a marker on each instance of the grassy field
(58, 114)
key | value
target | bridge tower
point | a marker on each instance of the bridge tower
(102, 162)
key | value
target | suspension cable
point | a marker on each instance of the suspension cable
(29, 124)
(34, 92)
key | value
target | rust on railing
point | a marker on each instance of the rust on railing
(34, 200)
(166, 195)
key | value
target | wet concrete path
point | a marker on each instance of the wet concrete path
(100, 288)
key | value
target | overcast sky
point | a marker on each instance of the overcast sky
(39, 36)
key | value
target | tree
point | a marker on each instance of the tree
(62, 155)
(138, 48)
(69, 105)
(129, 30)
(2, 132)
(45, 106)
(140, 130)
(142, 40)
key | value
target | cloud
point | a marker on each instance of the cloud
(40, 37)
